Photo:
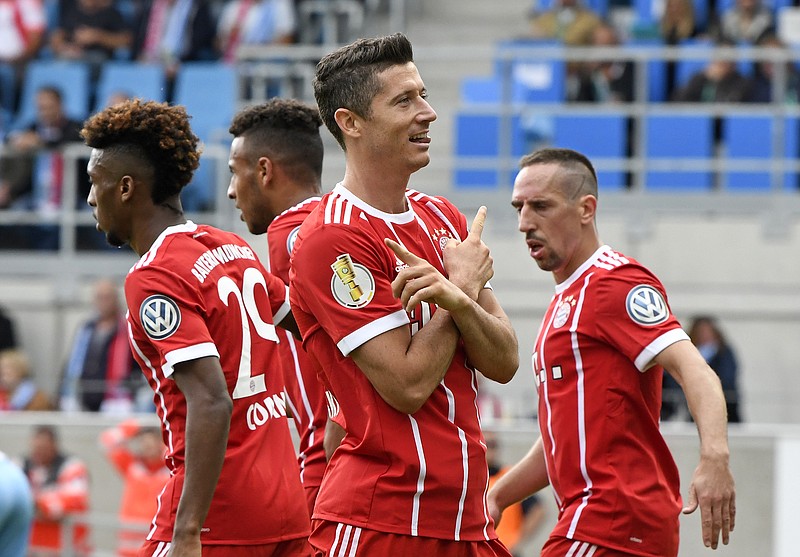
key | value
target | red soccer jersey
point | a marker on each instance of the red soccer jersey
(306, 394)
(614, 479)
(423, 474)
(202, 292)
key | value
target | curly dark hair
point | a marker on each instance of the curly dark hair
(285, 130)
(157, 132)
(347, 77)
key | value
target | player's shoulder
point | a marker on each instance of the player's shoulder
(616, 265)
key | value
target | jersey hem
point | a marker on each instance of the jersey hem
(371, 330)
(644, 360)
(394, 529)
(186, 354)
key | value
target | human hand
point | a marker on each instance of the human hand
(713, 490)
(86, 36)
(469, 263)
(422, 282)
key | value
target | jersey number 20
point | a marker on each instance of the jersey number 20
(246, 384)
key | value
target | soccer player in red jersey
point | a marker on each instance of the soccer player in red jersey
(598, 362)
(388, 286)
(276, 173)
(201, 309)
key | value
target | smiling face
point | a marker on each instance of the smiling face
(396, 131)
(557, 220)
(246, 187)
(104, 197)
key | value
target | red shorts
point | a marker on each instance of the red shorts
(288, 548)
(331, 539)
(562, 547)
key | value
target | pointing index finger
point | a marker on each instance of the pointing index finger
(478, 222)
(402, 253)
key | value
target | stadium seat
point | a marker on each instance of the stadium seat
(687, 67)
(751, 137)
(481, 90)
(478, 137)
(599, 137)
(71, 78)
(145, 81)
(656, 68)
(679, 137)
(209, 91)
(535, 78)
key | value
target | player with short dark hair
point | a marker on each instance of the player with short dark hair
(599, 357)
(201, 309)
(276, 172)
(389, 287)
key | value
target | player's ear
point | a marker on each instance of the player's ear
(348, 121)
(265, 171)
(126, 188)
(588, 206)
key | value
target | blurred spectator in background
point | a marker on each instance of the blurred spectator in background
(719, 82)
(677, 23)
(100, 374)
(604, 80)
(712, 344)
(16, 509)
(90, 30)
(137, 453)
(173, 31)
(60, 485)
(23, 24)
(569, 21)
(8, 337)
(18, 389)
(255, 22)
(51, 128)
(520, 520)
(763, 89)
(745, 22)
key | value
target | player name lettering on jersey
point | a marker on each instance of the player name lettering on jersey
(271, 407)
(210, 259)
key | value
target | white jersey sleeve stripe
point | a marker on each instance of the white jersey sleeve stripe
(371, 330)
(202, 350)
(645, 358)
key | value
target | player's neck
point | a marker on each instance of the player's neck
(384, 191)
(159, 219)
(299, 195)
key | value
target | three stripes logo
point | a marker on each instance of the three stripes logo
(646, 305)
(160, 316)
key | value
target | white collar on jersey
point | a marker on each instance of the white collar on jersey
(396, 218)
(188, 226)
(582, 269)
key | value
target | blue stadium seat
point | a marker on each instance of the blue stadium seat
(478, 136)
(686, 68)
(535, 78)
(598, 137)
(656, 69)
(679, 136)
(209, 91)
(481, 90)
(71, 78)
(751, 137)
(144, 81)
(600, 7)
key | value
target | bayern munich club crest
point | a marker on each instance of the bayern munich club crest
(352, 285)
(160, 316)
(646, 305)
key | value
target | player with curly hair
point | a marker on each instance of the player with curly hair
(201, 309)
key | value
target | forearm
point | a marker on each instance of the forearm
(207, 426)
(405, 369)
(525, 478)
(489, 339)
(706, 403)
